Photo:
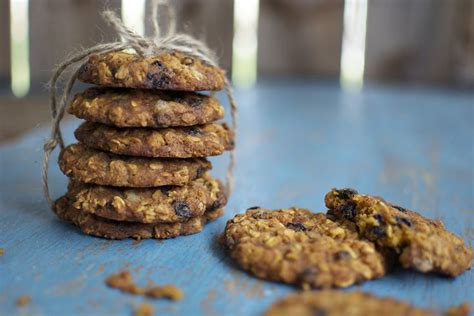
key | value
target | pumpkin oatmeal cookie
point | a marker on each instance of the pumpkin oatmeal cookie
(166, 71)
(178, 142)
(150, 205)
(96, 226)
(92, 166)
(145, 108)
(299, 247)
(422, 244)
(336, 303)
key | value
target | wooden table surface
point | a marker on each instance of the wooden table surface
(296, 140)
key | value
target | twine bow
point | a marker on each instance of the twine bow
(160, 42)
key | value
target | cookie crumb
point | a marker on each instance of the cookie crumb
(166, 291)
(2, 252)
(461, 310)
(123, 281)
(23, 300)
(144, 309)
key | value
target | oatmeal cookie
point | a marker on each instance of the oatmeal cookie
(145, 108)
(178, 142)
(166, 71)
(92, 166)
(299, 247)
(422, 244)
(336, 303)
(151, 205)
(96, 226)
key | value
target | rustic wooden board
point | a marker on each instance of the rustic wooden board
(296, 141)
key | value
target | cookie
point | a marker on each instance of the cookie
(421, 243)
(166, 71)
(96, 226)
(151, 205)
(178, 142)
(145, 108)
(92, 166)
(298, 247)
(335, 303)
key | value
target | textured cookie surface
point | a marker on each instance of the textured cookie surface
(182, 142)
(92, 166)
(422, 244)
(337, 303)
(96, 226)
(166, 71)
(151, 205)
(299, 247)
(145, 108)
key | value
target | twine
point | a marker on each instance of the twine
(143, 46)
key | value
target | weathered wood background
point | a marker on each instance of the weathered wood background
(424, 41)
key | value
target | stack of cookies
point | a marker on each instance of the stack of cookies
(139, 169)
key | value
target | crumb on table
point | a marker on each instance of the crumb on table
(123, 281)
(23, 300)
(144, 309)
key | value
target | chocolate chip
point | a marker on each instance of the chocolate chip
(342, 255)
(346, 193)
(166, 189)
(348, 210)
(194, 131)
(253, 208)
(401, 209)
(200, 171)
(309, 273)
(296, 226)
(215, 205)
(158, 80)
(84, 68)
(260, 215)
(182, 209)
(194, 101)
(403, 220)
(378, 218)
(157, 63)
(378, 231)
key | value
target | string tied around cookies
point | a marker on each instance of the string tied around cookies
(163, 40)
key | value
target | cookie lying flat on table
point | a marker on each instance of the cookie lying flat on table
(178, 142)
(92, 166)
(151, 205)
(96, 226)
(166, 71)
(422, 243)
(299, 247)
(145, 108)
(336, 303)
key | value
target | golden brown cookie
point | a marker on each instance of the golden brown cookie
(178, 142)
(145, 108)
(299, 247)
(337, 303)
(96, 226)
(92, 166)
(422, 244)
(151, 205)
(166, 71)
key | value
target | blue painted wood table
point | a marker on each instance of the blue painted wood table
(295, 141)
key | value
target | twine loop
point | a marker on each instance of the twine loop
(160, 42)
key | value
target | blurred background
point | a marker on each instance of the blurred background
(351, 43)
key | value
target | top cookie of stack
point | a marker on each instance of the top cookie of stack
(139, 169)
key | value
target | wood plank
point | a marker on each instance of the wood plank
(295, 141)
(300, 38)
(420, 41)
